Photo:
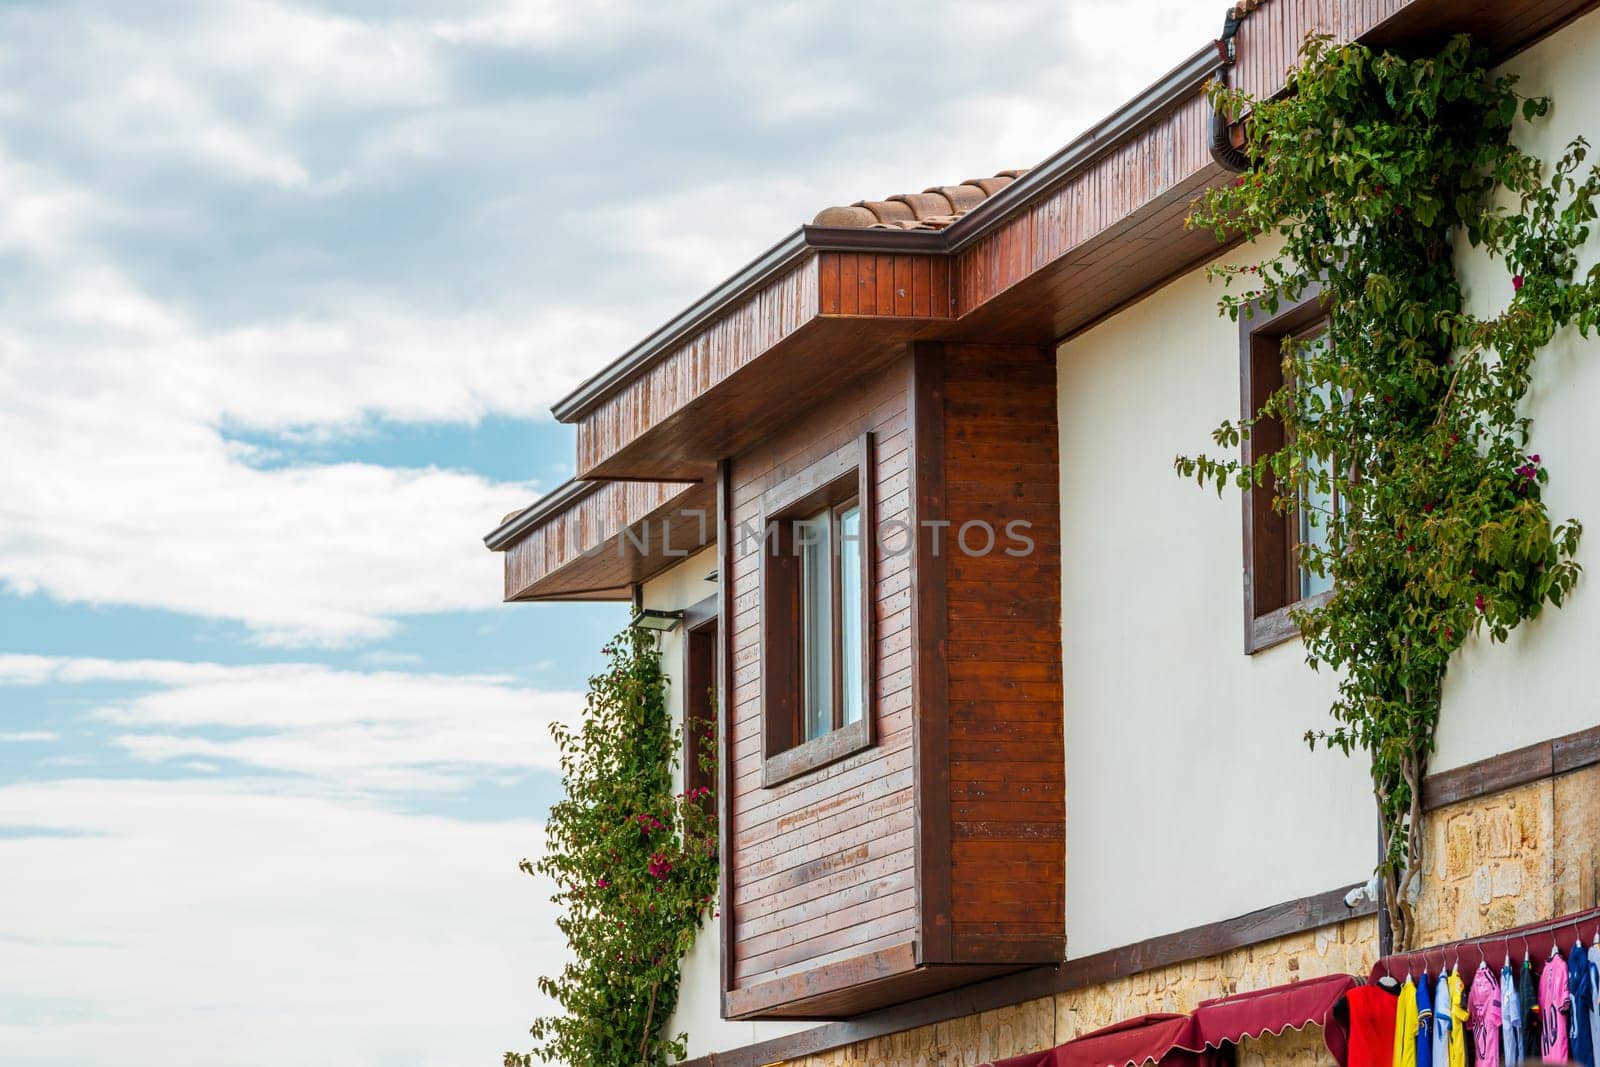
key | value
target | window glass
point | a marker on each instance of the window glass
(1316, 506)
(850, 651)
(816, 624)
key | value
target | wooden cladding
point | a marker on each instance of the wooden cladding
(704, 360)
(820, 866)
(893, 286)
(1130, 176)
(1001, 575)
(615, 534)
(934, 856)
(1269, 40)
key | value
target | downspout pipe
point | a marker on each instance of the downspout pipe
(1222, 147)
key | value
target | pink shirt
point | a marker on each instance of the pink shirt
(1554, 1010)
(1483, 1017)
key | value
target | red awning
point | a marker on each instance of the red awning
(1192, 1040)
(1131, 1043)
(1227, 1020)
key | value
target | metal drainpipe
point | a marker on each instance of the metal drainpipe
(1222, 147)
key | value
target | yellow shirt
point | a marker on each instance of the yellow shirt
(1458, 1016)
(1405, 1026)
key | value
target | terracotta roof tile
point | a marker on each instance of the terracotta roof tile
(932, 209)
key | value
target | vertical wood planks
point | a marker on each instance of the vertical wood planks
(706, 359)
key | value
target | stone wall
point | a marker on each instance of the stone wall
(1521, 856)
(1343, 948)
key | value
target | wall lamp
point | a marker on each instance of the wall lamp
(659, 621)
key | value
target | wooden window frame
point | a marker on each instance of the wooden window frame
(700, 641)
(843, 477)
(1271, 569)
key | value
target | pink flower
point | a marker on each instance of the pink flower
(659, 866)
(1427, 509)
(1479, 603)
(1516, 283)
(602, 883)
(1534, 458)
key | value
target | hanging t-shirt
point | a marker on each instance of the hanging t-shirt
(1580, 993)
(1405, 1026)
(1483, 1018)
(1553, 1010)
(1372, 1017)
(1510, 1019)
(1459, 1015)
(1443, 1019)
(1528, 995)
(1594, 1002)
(1424, 1035)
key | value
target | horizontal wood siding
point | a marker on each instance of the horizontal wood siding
(1007, 798)
(892, 286)
(701, 362)
(821, 866)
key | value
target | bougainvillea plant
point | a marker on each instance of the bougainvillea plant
(1373, 169)
(635, 869)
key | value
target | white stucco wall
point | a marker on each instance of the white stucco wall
(1191, 795)
(699, 1010)
(1544, 681)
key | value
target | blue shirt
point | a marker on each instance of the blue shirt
(1580, 988)
(1424, 1023)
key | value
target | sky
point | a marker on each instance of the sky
(286, 292)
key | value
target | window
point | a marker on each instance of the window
(1274, 581)
(700, 700)
(830, 633)
(816, 615)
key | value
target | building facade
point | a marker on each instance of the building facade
(1028, 759)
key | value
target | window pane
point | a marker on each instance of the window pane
(816, 624)
(1322, 504)
(850, 611)
(1316, 506)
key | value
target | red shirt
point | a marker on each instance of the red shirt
(1372, 1015)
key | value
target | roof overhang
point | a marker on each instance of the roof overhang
(596, 540)
(1085, 232)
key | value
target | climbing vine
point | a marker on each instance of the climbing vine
(635, 868)
(1372, 169)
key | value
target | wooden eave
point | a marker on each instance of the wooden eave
(1090, 230)
(596, 540)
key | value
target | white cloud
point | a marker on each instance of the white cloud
(234, 924)
(369, 731)
(121, 487)
(23, 737)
